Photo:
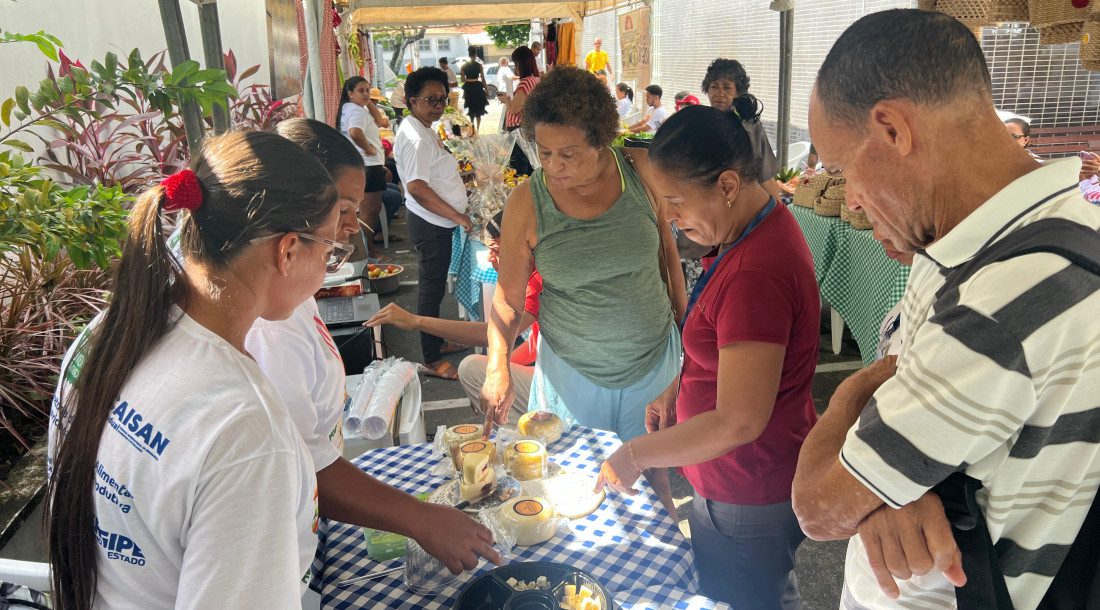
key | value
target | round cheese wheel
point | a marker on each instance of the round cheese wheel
(542, 425)
(461, 433)
(530, 519)
(470, 447)
(526, 459)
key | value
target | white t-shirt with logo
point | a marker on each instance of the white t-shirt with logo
(205, 494)
(420, 155)
(354, 115)
(301, 360)
(657, 117)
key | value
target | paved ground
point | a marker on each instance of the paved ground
(820, 565)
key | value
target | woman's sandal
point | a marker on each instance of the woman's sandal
(442, 369)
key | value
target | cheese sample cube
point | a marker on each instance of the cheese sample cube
(530, 519)
(526, 459)
(540, 425)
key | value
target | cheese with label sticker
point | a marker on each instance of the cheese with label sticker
(526, 459)
(531, 520)
(541, 425)
(456, 435)
(459, 452)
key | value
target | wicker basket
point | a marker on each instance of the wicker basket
(1090, 42)
(836, 191)
(926, 5)
(970, 12)
(828, 207)
(858, 220)
(1045, 13)
(1061, 34)
(804, 196)
(1008, 10)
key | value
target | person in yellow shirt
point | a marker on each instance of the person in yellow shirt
(597, 60)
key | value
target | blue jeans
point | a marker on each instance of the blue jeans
(745, 554)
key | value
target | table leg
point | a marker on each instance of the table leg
(836, 325)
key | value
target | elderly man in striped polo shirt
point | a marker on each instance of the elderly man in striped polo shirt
(999, 376)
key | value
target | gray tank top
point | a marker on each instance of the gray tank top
(604, 308)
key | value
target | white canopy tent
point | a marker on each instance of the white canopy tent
(395, 13)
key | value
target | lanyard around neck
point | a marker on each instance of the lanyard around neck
(701, 284)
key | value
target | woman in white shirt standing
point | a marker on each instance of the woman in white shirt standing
(300, 358)
(625, 96)
(177, 478)
(357, 122)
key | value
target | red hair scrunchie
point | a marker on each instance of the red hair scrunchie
(182, 191)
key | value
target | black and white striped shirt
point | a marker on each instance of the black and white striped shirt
(1004, 385)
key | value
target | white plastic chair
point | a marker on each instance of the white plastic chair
(385, 228)
(30, 574)
(797, 153)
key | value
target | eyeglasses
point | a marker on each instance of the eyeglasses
(1017, 136)
(433, 100)
(341, 251)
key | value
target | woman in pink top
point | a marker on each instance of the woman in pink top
(528, 70)
(750, 340)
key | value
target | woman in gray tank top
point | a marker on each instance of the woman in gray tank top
(613, 288)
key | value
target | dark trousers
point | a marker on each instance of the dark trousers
(745, 554)
(518, 159)
(433, 244)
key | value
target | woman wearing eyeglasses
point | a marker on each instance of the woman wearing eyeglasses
(436, 199)
(300, 358)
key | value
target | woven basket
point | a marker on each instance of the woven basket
(828, 207)
(1090, 42)
(1091, 66)
(804, 196)
(1008, 10)
(836, 191)
(970, 12)
(820, 182)
(1045, 13)
(858, 220)
(926, 5)
(1061, 34)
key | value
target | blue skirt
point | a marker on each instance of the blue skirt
(559, 388)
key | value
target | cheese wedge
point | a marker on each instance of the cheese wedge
(478, 476)
(541, 425)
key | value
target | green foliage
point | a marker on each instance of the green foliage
(47, 43)
(787, 173)
(509, 36)
(82, 94)
(88, 223)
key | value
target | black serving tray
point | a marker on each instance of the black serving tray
(491, 590)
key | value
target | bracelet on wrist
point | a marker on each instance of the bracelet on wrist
(633, 460)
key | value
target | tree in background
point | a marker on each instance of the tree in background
(398, 40)
(509, 36)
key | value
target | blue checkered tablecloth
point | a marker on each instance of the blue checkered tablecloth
(630, 544)
(470, 268)
(662, 599)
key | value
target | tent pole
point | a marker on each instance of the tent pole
(212, 53)
(786, 53)
(172, 20)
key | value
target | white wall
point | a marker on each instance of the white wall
(92, 28)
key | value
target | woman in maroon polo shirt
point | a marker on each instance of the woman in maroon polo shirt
(750, 348)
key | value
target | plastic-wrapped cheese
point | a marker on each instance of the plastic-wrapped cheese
(526, 459)
(478, 476)
(542, 425)
(531, 520)
(461, 433)
(461, 451)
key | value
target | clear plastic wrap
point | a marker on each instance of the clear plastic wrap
(360, 398)
(424, 573)
(527, 459)
(529, 520)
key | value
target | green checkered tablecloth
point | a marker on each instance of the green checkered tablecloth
(855, 276)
